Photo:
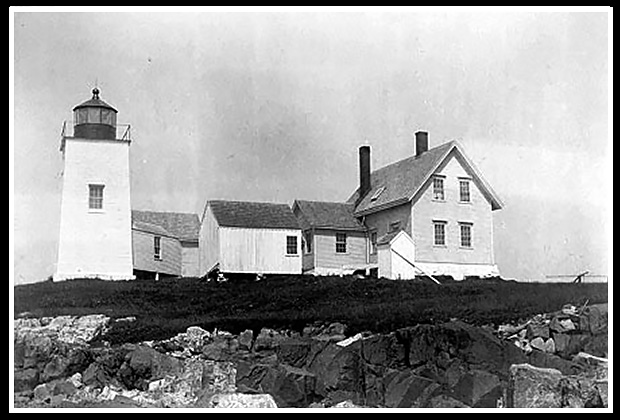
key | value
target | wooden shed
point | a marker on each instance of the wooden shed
(334, 241)
(185, 227)
(156, 252)
(249, 237)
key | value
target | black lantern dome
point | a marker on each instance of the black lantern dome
(94, 119)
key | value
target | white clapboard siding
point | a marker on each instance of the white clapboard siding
(245, 250)
(478, 212)
(324, 243)
(209, 251)
(190, 257)
(144, 257)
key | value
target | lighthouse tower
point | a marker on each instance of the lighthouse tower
(95, 214)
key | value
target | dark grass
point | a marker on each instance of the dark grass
(167, 307)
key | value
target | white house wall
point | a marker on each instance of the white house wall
(478, 212)
(380, 222)
(258, 251)
(95, 243)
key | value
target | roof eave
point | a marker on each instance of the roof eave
(381, 207)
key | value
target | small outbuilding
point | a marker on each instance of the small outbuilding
(241, 237)
(165, 243)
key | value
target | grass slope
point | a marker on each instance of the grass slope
(167, 307)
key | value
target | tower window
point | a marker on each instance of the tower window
(95, 196)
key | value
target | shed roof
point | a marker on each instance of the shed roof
(246, 214)
(150, 228)
(327, 215)
(184, 226)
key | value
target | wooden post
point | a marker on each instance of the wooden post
(414, 266)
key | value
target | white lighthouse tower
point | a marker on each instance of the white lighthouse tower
(95, 214)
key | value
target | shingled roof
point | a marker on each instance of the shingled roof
(402, 180)
(184, 226)
(246, 214)
(327, 215)
(151, 228)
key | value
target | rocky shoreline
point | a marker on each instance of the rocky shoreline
(552, 360)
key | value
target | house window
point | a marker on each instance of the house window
(466, 229)
(341, 242)
(157, 247)
(376, 195)
(439, 233)
(438, 191)
(95, 196)
(464, 191)
(373, 242)
(291, 245)
(308, 242)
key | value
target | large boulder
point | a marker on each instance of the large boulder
(537, 330)
(237, 400)
(547, 360)
(68, 361)
(534, 387)
(338, 373)
(32, 347)
(267, 339)
(445, 401)
(294, 352)
(246, 339)
(387, 350)
(561, 324)
(472, 345)
(81, 330)
(591, 320)
(107, 362)
(580, 392)
(145, 364)
(25, 379)
(478, 388)
(405, 389)
(221, 348)
(290, 386)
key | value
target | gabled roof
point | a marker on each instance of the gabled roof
(327, 215)
(390, 237)
(245, 214)
(184, 226)
(402, 180)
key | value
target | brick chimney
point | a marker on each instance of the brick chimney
(421, 142)
(364, 153)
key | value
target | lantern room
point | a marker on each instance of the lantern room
(94, 119)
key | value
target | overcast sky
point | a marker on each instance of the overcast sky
(273, 107)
